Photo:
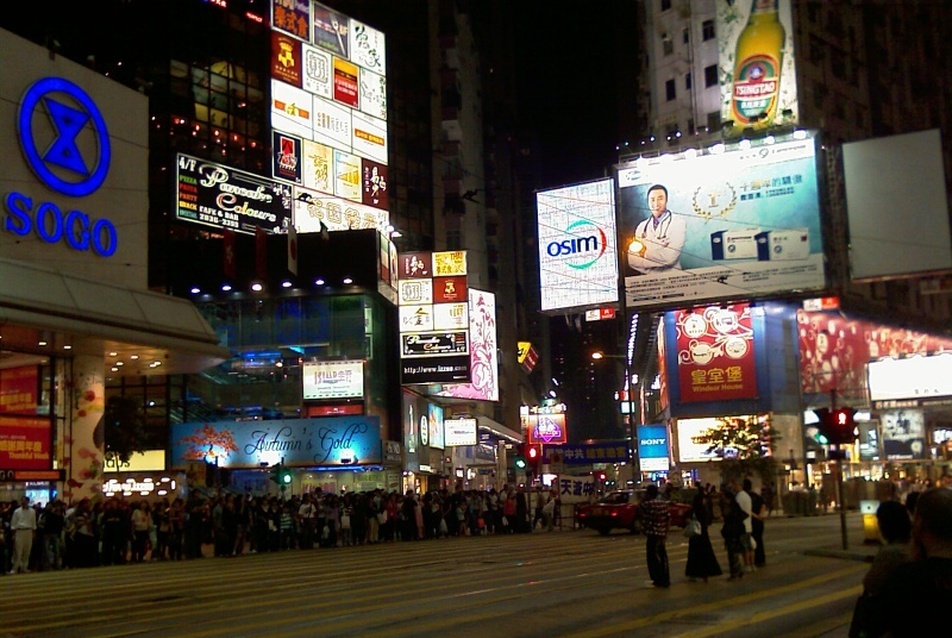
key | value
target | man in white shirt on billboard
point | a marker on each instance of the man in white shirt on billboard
(658, 240)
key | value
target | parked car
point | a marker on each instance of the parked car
(619, 510)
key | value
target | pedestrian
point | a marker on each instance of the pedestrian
(655, 518)
(919, 590)
(54, 522)
(895, 528)
(23, 526)
(701, 563)
(307, 515)
(743, 499)
(732, 532)
(758, 513)
(141, 525)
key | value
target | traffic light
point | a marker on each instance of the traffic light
(836, 425)
(281, 475)
(285, 477)
(520, 459)
(534, 457)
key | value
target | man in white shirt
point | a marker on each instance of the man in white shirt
(23, 525)
(745, 503)
(659, 239)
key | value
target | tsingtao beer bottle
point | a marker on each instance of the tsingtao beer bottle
(757, 67)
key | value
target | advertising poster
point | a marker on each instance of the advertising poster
(322, 442)
(578, 263)
(19, 390)
(460, 432)
(653, 448)
(333, 380)
(286, 59)
(716, 353)
(483, 351)
(313, 208)
(601, 452)
(547, 428)
(25, 443)
(756, 63)
(736, 223)
(214, 195)
(904, 434)
(435, 418)
(292, 16)
(835, 350)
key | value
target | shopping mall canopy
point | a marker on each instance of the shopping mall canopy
(46, 311)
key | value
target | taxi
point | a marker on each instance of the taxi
(618, 509)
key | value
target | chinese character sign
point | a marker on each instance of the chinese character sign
(715, 348)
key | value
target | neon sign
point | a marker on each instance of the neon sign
(68, 113)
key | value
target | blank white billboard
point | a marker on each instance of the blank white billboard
(578, 263)
(897, 207)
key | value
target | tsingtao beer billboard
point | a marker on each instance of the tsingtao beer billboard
(733, 222)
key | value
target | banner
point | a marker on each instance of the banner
(716, 354)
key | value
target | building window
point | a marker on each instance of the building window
(667, 45)
(669, 90)
(710, 76)
(686, 36)
(691, 129)
(713, 121)
(665, 5)
(707, 30)
(687, 81)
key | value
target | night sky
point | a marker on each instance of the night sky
(571, 63)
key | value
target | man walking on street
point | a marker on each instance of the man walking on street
(23, 526)
(746, 506)
(655, 518)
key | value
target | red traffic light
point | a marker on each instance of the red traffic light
(533, 453)
(837, 425)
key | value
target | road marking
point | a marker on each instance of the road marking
(719, 605)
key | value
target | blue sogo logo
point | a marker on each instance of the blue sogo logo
(68, 114)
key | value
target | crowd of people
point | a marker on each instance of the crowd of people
(116, 531)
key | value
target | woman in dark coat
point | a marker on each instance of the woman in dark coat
(702, 563)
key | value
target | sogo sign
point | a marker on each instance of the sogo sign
(70, 112)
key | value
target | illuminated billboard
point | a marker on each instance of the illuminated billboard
(653, 448)
(918, 379)
(460, 432)
(733, 222)
(222, 197)
(483, 351)
(328, 92)
(332, 380)
(434, 317)
(716, 353)
(578, 263)
(904, 434)
(756, 63)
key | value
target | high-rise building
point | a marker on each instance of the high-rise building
(235, 100)
(851, 73)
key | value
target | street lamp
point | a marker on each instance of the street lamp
(630, 381)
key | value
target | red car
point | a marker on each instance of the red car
(619, 510)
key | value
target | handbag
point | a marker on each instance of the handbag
(693, 528)
(382, 517)
(345, 521)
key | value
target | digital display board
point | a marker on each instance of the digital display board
(578, 262)
(733, 222)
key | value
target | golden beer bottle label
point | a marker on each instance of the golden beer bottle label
(756, 87)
